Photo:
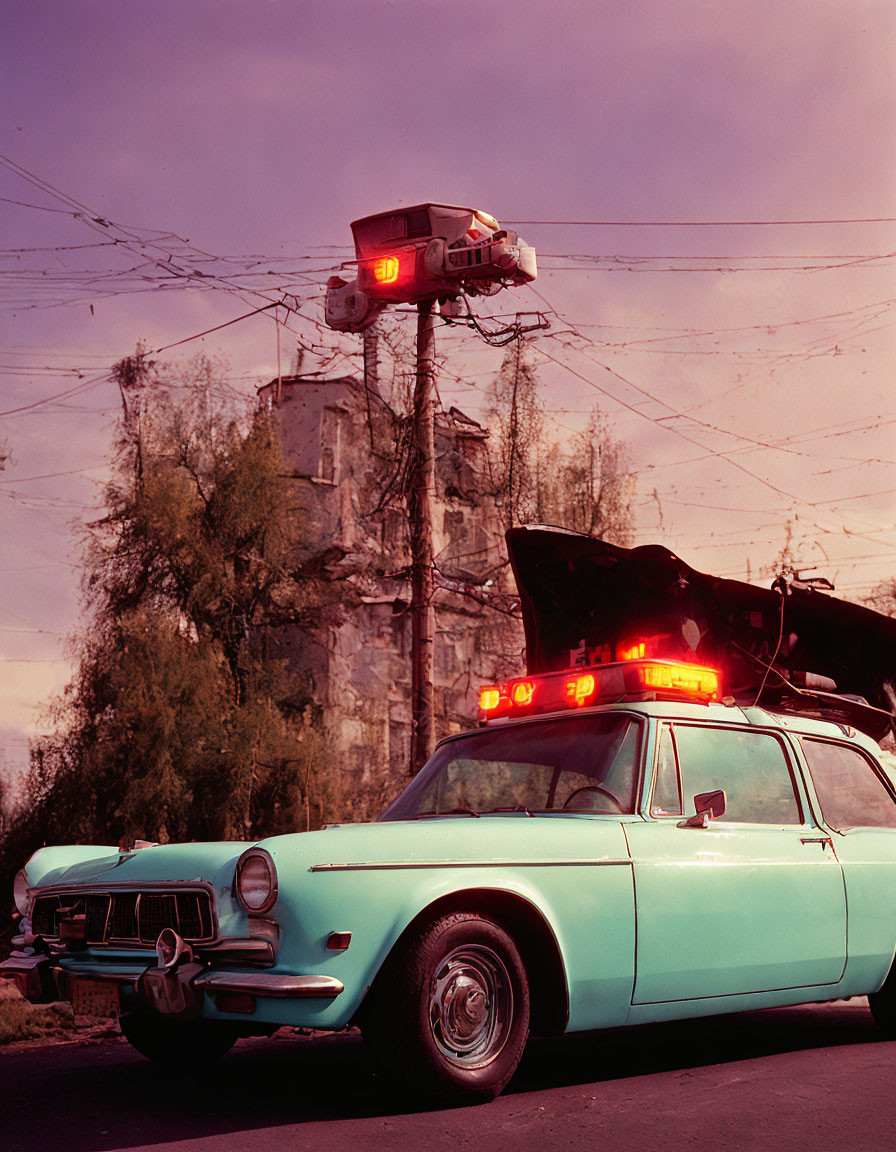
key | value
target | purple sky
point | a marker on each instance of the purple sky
(266, 127)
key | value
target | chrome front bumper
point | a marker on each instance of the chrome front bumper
(174, 988)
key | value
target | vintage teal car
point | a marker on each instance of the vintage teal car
(628, 837)
(595, 865)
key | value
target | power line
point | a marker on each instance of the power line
(660, 422)
(217, 328)
(52, 475)
(75, 391)
(700, 223)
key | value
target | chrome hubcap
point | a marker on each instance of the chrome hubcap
(471, 1005)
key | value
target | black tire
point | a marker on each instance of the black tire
(178, 1042)
(449, 1013)
(883, 1006)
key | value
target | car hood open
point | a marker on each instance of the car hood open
(582, 597)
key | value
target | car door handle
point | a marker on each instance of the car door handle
(822, 840)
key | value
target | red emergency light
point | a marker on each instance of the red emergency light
(580, 689)
(385, 269)
(632, 679)
(523, 692)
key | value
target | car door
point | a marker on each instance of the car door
(857, 801)
(752, 902)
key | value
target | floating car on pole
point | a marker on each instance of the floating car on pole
(424, 253)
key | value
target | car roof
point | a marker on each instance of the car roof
(722, 715)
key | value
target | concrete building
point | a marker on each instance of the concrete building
(345, 453)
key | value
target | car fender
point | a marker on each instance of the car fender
(586, 905)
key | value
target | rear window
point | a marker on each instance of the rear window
(850, 792)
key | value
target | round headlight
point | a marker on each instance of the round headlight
(256, 880)
(20, 893)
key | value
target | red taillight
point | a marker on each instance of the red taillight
(580, 690)
(385, 270)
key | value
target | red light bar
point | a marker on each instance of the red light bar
(633, 679)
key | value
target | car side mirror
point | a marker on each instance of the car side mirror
(709, 806)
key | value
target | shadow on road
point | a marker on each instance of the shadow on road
(104, 1096)
(648, 1049)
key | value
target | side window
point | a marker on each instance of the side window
(851, 793)
(751, 767)
(667, 789)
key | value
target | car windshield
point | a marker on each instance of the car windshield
(579, 764)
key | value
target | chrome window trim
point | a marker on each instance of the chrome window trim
(801, 794)
(663, 727)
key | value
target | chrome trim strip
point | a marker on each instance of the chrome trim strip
(381, 865)
(264, 984)
(118, 886)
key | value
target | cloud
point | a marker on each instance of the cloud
(26, 690)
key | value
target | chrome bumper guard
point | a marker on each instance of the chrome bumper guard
(176, 985)
(269, 984)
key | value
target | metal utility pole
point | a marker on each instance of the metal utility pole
(422, 488)
(416, 255)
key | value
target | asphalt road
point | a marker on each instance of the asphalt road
(818, 1078)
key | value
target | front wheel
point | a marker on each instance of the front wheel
(450, 1011)
(168, 1041)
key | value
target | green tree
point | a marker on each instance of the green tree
(515, 418)
(182, 720)
(584, 483)
(882, 597)
(590, 487)
(788, 560)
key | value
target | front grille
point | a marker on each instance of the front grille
(128, 918)
(123, 917)
(156, 913)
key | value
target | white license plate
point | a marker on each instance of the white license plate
(94, 997)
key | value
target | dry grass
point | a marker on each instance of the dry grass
(20, 1020)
